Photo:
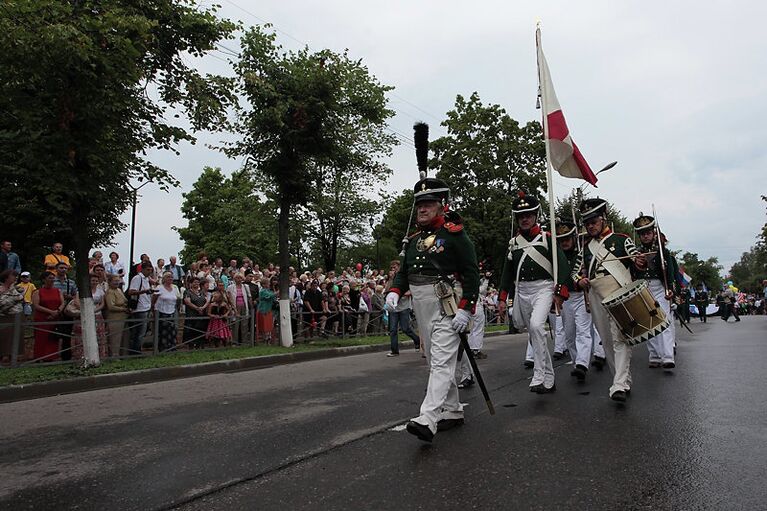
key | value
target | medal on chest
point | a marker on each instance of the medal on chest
(426, 243)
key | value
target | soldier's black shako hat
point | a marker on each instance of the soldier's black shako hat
(643, 222)
(565, 229)
(430, 189)
(524, 203)
(591, 208)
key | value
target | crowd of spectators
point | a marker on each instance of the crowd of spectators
(205, 303)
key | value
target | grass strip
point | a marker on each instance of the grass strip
(34, 374)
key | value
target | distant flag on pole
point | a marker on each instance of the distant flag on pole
(565, 156)
(682, 278)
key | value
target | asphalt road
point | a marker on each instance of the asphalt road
(328, 435)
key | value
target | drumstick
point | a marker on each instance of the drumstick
(629, 256)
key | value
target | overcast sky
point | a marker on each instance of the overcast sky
(675, 91)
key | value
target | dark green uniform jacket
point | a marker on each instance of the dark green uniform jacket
(447, 244)
(531, 270)
(654, 271)
(618, 244)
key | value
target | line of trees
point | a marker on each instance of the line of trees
(88, 87)
(85, 87)
(750, 272)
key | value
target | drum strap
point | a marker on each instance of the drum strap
(611, 264)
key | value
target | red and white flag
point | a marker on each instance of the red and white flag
(565, 156)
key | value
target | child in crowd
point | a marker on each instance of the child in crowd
(218, 328)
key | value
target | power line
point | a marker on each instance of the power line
(414, 106)
(262, 20)
(304, 43)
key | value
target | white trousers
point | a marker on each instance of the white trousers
(441, 346)
(476, 341)
(661, 347)
(534, 302)
(477, 332)
(617, 352)
(558, 331)
(576, 329)
(598, 350)
(529, 357)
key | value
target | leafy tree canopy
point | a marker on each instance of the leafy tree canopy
(306, 118)
(485, 157)
(749, 273)
(85, 87)
(228, 219)
(703, 272)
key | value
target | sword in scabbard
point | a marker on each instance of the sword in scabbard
(473, 363)
(444, 292)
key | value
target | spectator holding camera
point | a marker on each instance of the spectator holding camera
(140, 298)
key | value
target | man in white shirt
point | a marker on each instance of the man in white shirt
(177, 271)
(141, 288)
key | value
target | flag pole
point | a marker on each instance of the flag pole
(549, 178)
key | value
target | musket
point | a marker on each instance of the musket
(661, 250)
(586, 301)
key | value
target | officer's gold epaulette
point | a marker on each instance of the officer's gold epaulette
(453, 227)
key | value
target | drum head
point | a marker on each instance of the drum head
(625, 293)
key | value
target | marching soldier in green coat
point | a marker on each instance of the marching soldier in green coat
(604, 266)
(528, 277)
(576, 319)
(660, 347)
(438, 254)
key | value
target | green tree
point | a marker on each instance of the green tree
(340, 204)
(615, 218)
(301, 112)
(394, 225)
(227, 218)
(703, 272)
(749, 273)
(486, 157)
(79, 117)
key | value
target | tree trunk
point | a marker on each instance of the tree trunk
(283, 229)
(87, 308)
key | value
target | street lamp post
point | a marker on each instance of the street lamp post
(377, 237)
(579, 190)
(133, 226)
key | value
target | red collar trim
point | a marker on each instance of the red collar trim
(532, 233)
(605, 233)
(435, 224)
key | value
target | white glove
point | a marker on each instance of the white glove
(392, 299)
(461, 320)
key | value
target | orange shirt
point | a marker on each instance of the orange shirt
(51, 260)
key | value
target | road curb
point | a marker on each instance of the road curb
(103, 381)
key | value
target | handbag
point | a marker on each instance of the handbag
(133, 299)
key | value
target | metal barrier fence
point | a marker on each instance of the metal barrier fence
(151, 334)
(154, 333)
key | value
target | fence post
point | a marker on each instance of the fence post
(17, 339)
(343, 324)
(156, 332)
(252, 321)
